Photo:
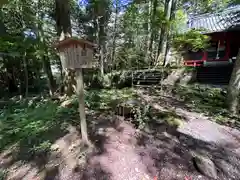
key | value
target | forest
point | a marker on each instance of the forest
(145, 114)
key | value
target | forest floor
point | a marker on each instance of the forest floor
(39, 139)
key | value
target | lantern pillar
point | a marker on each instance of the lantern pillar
(76, 54)
(81, 104)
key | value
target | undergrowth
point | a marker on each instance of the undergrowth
(207, 100)
(3, 174)
(33, 125)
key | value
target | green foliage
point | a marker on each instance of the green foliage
(234, 2)
(3, 174)
(142, 116)
(207, 100)
(200, 95)
(174, 121)
(130, 58)
(121, 79)
(25, 38)
(116, 79)
(192, 40)
(145, 115)
(41, 148)
(179, 23)
(33, 125)
(98, 100)
(93, 80)
(103, 99)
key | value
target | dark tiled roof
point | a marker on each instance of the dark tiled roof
(217, 22)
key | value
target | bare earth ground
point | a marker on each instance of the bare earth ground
(124, 153)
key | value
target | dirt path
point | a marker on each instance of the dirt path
(212, 132)
(129, 155)
(119, 159)
(220, 143)
(125, 153)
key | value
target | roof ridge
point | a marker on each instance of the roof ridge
(233, 8)
(216, 22)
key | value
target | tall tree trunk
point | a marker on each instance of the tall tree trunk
(61, 75)
(48, 71)
(101, 54)
(64, 30)
(100, 47)
(2, 26)
(45, 58)
(164, 31)
(25, 74)
(153, 17)
(149, 29)
(169, 34)
(101, 42)
(234, 88)
(12, 85)
(114, 34)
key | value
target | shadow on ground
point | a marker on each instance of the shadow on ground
(41, 140)
(66, 158)
(119, 151)
(173, 152)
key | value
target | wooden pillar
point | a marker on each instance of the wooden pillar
(81, 108)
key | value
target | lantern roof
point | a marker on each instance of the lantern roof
(74, 41)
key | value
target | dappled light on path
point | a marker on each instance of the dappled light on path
(198, 134)
(164, 148)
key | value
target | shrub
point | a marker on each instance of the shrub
(96, 82)
(120, 79)
(142, 116)
(191, 40)
(3, 174)
(92, 79)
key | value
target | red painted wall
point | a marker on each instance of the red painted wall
(231, 40)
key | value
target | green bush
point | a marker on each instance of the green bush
(191, 40)
(32, 127)
(117, 79)
(142, 116)
(2, 174)
(96, 82)
(93, 79)
(120, 79)
(130, 58)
